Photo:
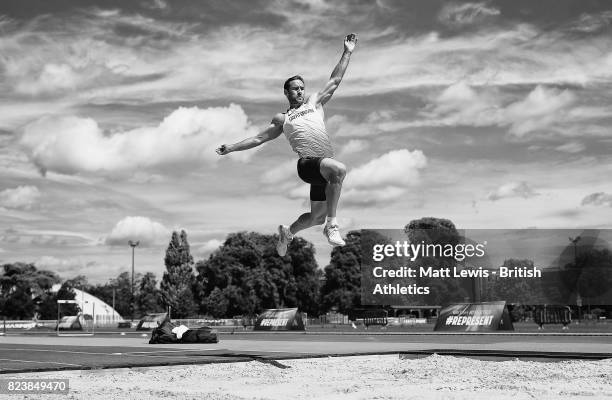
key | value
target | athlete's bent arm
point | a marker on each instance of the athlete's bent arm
(336, 76)
(271, 132)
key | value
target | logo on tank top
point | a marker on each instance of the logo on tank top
(301, 114)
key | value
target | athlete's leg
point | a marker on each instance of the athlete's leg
(316, 216)
(309, 171)
(334, 172)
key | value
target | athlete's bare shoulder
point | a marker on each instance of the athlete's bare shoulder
(311, 99)
(278, 119)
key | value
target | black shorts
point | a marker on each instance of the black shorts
(309, 170)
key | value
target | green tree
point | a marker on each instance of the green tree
(432, 230)
(79, 282)
(122, 286)
(178, 280)
(439, 231)
(217, 303)
(23, 288)
(105, 293)
(250, 276)
(306, 276)
(65, 292)
(342, 287)
(590, 276)
(148, 296)
(514, 290)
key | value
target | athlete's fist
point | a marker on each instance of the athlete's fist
(223, 150)
(350, 41)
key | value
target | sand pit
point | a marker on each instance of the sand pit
(350, 378)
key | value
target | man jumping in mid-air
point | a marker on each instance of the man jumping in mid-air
(304, 128)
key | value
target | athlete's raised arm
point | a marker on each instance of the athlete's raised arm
(271, 132)
(336, 76)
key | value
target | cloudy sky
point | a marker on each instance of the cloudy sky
(493, 114)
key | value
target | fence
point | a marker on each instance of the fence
(552, 315)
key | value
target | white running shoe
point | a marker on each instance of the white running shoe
(332, 233)
(284, 238)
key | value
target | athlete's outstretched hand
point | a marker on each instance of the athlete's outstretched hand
(222, 150)
(350, 41)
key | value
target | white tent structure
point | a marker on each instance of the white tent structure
(101, 312)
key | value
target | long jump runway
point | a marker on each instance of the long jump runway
(51, 353)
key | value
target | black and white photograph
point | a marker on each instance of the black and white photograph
(308, 199)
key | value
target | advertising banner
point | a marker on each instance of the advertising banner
(25, 325)
(151, 321)
(475, 317)
(280, 319)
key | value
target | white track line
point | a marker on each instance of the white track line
(41, 362)
(57, 351)
(136, 354)
(160, 354)
(172, 351)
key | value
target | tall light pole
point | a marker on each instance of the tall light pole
(133, 246)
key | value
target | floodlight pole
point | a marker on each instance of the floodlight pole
(133, 246)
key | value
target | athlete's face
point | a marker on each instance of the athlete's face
(295, 92)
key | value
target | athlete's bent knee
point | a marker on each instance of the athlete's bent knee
(337, 173)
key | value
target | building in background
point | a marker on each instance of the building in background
(101, 312)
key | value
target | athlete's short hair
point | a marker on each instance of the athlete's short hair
(293, 78)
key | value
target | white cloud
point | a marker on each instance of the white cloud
(365, 197)
(52, 78)
(56, 264)
(56, 235)
(598, 199)
(281, 173)
(70, 267)
(156, 4)
(589, 23)
(43, 238)
(141, 229)
(457, 14)
(571, 147)
(73, 145)
(209, 247)
(512, 189)
(86, 61)
(353, 146)
(383, 179)
(14, 114)
(395, 168)
(541, 109)
(300, 192)
(341, 126)
(494, 56)
(22, 197)
(460, 104)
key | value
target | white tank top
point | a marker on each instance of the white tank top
(305, 130)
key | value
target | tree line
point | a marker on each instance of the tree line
(245, 275)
